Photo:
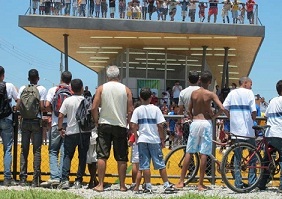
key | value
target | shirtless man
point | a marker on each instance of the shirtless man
(200, 138)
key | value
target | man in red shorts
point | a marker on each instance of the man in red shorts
(213, 10)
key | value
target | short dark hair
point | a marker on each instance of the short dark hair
(136, 104)
(279, 87)
(145, 93)
(66, 77)
(206, 77)
(33, 75)
(2, 71)
(76, 85)
(193, 77)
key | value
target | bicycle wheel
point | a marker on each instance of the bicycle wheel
(273, 168)
(241, 174)
(174, 162)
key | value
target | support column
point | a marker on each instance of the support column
(227, 73)
(165, 76)
(127, 67)
(204, 58)
(146, 65)
(223, 80)
(121, 65)
(66, 46)
(187, 69)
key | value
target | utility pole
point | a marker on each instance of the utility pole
(61, 64)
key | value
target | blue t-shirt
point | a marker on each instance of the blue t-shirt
(258, 110)
(172, 122)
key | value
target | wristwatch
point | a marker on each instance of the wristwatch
(60, 129)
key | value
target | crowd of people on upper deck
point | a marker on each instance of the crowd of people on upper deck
(146, 9)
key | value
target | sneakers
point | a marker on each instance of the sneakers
(35, 182)
(49, 183)
(147, 189)
(64, 185)
(169, 188)
(9, 182)
(23, 182)
(77, 185)
(132, 186)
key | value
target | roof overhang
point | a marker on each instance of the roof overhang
(96, 42)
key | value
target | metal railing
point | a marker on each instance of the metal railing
(177, 16)
(111, 171)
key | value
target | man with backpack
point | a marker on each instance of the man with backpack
(54, 100)
(30, 103)
(75, 135)
(7, 92)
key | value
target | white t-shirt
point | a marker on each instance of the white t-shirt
(147, 117)
(42, 94)
(185, 96)
(69, 107)
(274, 117)
(12, 93)
(192, 6)
(241, 103)
(176, 91)
(49, 98)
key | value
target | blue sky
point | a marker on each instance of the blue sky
(21, 51)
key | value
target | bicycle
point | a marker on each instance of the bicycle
(250, 164)
(174, 162)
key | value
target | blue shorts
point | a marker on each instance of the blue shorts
(200, 137)
(148, 152)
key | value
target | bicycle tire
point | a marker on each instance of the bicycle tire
(174, 162)
(227, 168)
(273, 169)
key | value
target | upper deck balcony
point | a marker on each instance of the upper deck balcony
(155, 45)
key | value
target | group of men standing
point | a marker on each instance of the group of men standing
(111, 110)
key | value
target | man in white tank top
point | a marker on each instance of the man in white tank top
(115, 101)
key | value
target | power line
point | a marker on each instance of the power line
(25, 57)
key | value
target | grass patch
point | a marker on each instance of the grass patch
(199, 196)
(186, 196)
(37, 194)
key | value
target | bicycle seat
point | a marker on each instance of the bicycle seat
(261, 127)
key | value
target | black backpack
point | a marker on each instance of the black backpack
(84, 116)
(5, 107)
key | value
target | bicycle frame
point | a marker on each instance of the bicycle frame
(259, 146)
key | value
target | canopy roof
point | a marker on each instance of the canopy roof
(96, 42)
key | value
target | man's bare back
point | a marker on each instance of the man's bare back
(200, 105)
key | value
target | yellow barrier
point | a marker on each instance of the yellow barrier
(111, 170)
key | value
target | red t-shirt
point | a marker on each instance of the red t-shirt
(132, 138)
(250, 5)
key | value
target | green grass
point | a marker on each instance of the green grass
(37, 194)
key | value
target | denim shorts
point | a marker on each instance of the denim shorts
(148, 152)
